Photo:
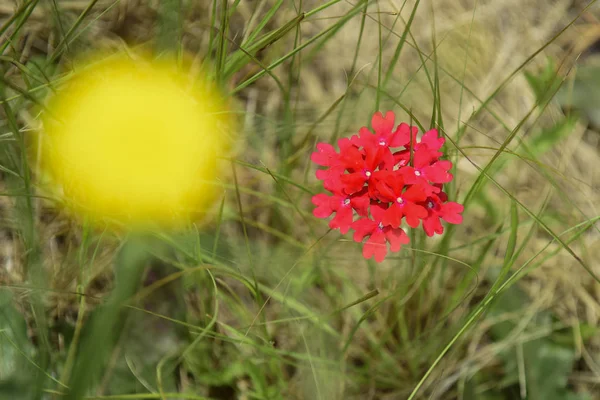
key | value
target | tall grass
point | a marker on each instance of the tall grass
(266, 302)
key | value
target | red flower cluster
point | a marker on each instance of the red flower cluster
(384, 177)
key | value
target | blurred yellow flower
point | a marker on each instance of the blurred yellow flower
(136, 141)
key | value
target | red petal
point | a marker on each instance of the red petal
(362, 228)
(375, 246)
(383, 125)
(323, 209)
(360, 204)
(374, 156)
(430, 190)
(333, 184)
(436, 174)
(431, 140)
(414, 213)
(320, 199)
(353, 182)
(324, 155)
(352, 158)
(401, 158)
(364, 138)
(335, 202)
(423, 157)
(344, 144)
(408, 175)
(378, 212)
(372, 189)
(432, 225)
(331, 178)
(395, 181)
(385, 192)
(402, 136)
(393, 216)
(451, 212)
(396, 237)
(386, 161)
(415, 193)
(342, 220)
(445, 164)
(322, 174)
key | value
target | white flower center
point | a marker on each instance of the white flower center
(380, 226)
(346, 202)
(417, 173)
(399, 200)
(430, 204)
(382, 142)
(368, 174)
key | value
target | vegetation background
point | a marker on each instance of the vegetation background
(265, 302)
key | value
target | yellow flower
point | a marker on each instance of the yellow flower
(136, 141)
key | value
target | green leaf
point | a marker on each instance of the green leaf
(16, 372)
(18, 388)
(13, 338)
(544, 84)
(546, 139)
(169, 25)
(213, 370)
(583, 92)
(103, 329)
(151, 343)
(545, 364)
(547, 369)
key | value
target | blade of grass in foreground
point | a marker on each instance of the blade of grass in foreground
(22, 15)
(251, 31)
(15, 156)
(222, 48)
(63, 44)
(102, 330)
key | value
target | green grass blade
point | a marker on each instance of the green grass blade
(334, 28)
(222, 42)
(104, 326)
(240, 57)
(401, 43)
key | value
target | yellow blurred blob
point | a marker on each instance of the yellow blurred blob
(135, 141)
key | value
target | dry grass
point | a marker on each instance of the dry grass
(495, 38)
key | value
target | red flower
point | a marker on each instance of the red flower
(383, 177)
(379, 234)
(427, 169)
(343, 206)
(437, 208)
(326, 155)
(330, 177)
(361, 164)
(384, 136)
(403, 202)
(432, 140)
